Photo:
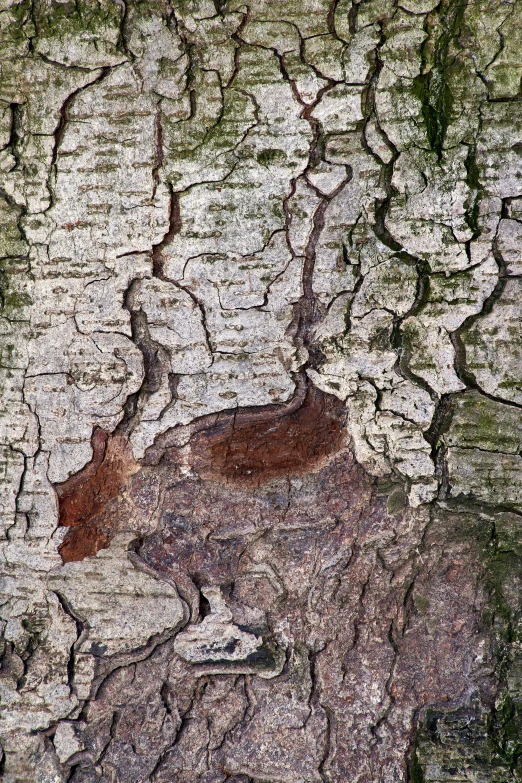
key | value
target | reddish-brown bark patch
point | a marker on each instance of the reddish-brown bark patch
(83, 541)
(256, 447)
(250, 447)
(83, 498)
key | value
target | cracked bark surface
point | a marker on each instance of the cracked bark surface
(261, 413)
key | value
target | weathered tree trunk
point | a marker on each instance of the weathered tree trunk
(261, 431)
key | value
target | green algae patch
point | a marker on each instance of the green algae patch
(433, 86)
(83, 33)
(482, 423)
(11, 241)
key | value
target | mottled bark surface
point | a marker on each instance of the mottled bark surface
(261, 421)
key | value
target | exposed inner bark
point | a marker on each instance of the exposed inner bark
(84, 498)
(254, 447)
(356, 615)
(295, 570)
(249, 447)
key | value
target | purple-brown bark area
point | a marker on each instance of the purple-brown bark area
(368, 610)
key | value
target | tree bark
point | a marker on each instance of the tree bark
(261, 431)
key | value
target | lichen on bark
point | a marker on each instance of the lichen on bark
(261, 381)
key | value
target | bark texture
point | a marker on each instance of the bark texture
(261, 420)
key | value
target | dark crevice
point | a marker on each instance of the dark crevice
(80, 628)
(64, 113)
(381, 231)
(61, 129)
(461, 369)
(16, 132)
(174, 220)
(432, 86)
